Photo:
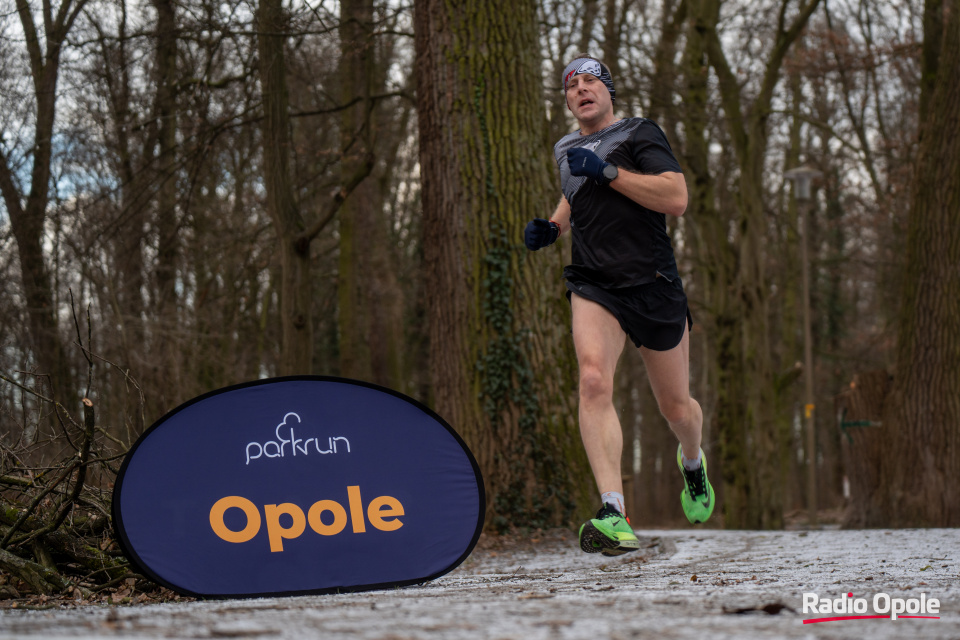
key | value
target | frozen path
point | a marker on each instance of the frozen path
(703, 584)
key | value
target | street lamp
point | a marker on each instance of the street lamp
(801, 178)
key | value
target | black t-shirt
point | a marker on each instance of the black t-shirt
(617, 242)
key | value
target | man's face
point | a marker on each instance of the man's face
(588, 99)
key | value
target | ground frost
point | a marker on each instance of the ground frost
(683, 584)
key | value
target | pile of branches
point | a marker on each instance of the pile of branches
(57, 469)
(55, 527)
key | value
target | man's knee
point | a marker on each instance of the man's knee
(677, 410)
(594, 385)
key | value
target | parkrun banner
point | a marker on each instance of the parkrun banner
(298, 485)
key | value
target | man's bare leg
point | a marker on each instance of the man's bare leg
(599, 340)
(669, 374)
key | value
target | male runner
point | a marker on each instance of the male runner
(620, 180)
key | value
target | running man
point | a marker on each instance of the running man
(620, 180)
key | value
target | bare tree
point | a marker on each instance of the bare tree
(295, 289)
(500, 356)
(27, 208)
(922, 418)
(731, 243)
(369, 312)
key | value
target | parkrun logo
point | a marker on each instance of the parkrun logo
(383, 513)
(277, 448)
(846, 607)
(340, 496)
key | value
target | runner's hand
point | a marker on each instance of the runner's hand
(540, 233)
(586, 163)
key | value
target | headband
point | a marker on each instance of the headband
(595, 68)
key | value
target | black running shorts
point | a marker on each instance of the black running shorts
(653, 314)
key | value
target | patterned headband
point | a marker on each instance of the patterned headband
(595, 68)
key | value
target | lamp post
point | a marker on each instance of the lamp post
(801, 178)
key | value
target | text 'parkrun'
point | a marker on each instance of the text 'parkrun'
(383, 513)
(298, 446)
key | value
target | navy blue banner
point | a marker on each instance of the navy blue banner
(298, 485)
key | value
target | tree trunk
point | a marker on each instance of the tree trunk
(369, 303)
(715, 258)
(357, 214)
(168, 344)
(28, 212)
(751, 448)
(922, 419)
(295, 279)
(127, 291)
(788, 309)
(502, 366)
(860, 408)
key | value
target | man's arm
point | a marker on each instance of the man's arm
(562, 215)
(666, 192)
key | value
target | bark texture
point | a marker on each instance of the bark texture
(502, 366)
(733, 256)
(921, 425)
(295, 282)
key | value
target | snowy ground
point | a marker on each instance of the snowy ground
(692, 583)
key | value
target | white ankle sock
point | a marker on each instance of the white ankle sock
(614, 499)
(691, 465)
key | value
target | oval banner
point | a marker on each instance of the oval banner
(298, 485)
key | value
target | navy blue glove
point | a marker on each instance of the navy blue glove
(584, 162)
(540, 233)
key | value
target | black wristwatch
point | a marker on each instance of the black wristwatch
(610, 173)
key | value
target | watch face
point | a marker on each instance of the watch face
(610, 172)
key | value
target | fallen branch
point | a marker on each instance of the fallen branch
(40, 579)
(55, 531)
(67, 502)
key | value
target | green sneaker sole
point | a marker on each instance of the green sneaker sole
(592, 540)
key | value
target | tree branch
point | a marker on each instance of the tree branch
(729, 88)
(41, 579)
(66, 504)
(11, 193)
(347, 105)
(30, 33)
(785, 40)
(302, 242)
(33, 506)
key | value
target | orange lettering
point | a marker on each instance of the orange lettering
(382, 508)
(278, 533)
(249, 509)
(339, 517)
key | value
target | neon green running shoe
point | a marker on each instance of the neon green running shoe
(609, 533)
(697, 497)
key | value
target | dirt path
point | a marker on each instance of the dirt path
(684, 584)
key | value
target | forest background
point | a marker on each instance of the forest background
(197, 194)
